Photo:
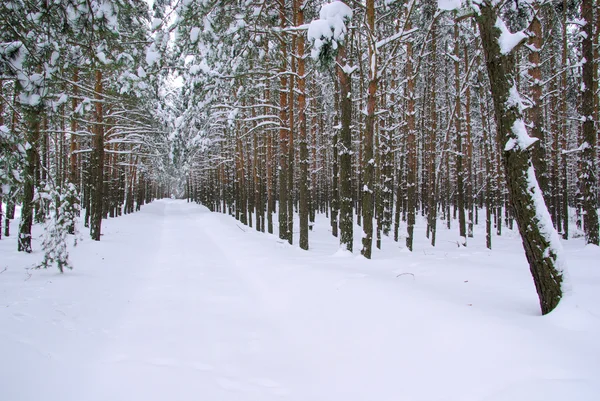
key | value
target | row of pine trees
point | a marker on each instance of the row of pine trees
(412, 110)
(81, 121)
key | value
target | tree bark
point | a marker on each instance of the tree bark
(588, 156)
(97, 178)
(368, 160)
(411, 145)
(32, 116)
(303, 141)
(344, 151)
(540, 240)
(283, 133)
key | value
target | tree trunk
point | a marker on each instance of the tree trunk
(32, 116)
(538, 153)
(460, 186)
(335, 192)
(368, 161)
(540, 240)
(97, 179)
(344, 151)
(588, 156)
(411, 145)
(283, 133)
(303, 210)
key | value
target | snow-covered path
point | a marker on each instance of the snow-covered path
(177, 303)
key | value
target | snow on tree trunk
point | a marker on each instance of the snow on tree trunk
(327, 36)
(368, 162)
(97, 199)
(540, 240)
(588, 157)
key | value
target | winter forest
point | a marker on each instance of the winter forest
(279, 149)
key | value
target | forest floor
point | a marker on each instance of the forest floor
(177, 303)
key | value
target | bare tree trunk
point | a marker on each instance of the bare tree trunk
(411, 144)
(283, 133)
(460, 186)
(564, 89)
(291, 146)
(335, 193)
(538, 153)
(344, 150)
(303, 141)
(469, 201)
(588, 157)
(368, 161)
(487, 154)
(432, 207)
(97, 178)
(32, 116)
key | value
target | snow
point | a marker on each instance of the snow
(13, 54)
(330, 27)
(507, 40)
(152, 54)
(555, 249)
(156, 23)
(449, 5)
(336, 11)
(194, 32)
(102, 57)
(522, 140)
(177, 303)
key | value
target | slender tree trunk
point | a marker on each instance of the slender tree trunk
(564, 110)
(432, 207)
(588, 157)
(97, 178)
(32, 116)
(538, 154)
(283, 133)
(303, 141)
(411, 145)
(344, 150)
(335, 193)
(487, 154)
(1, 124)
(460, 186)
(368, 160)
(469, 201)
(291, 146)
(269, 166)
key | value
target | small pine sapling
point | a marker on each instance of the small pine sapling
(63, 210)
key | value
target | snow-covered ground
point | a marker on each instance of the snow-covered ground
(177, 303)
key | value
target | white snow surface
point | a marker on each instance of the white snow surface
(449, 5)
(177, 303)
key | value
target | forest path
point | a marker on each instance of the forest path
(194, 329)
(177, 303)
